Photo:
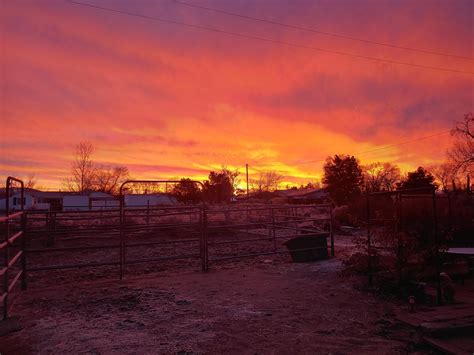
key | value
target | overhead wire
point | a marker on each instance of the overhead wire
(274, 41)
(363, 152)
(320, 32)
(293, 45)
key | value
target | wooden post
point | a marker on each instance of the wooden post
(204, 236)
(273, 230)
(147, 212)
(295, 218)
(7, 252)
(369, 254)
(247, 176)
(122, 236)
(436, 240)
(331, 234)
(398, 201)
(23, 250)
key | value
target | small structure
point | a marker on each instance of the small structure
(304, 196)
(308, 247)
(75, 202)
(143, 200)
(103, 201)
(33, 200)
(48, 200)
(89, 200)
(59, 200)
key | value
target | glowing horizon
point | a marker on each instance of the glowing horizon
(170, 101)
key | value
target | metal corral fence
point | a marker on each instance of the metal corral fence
(205, 233)
(408, 232)
(12, 248)
(136, 235)
(120, 240)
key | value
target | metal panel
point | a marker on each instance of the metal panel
(5, 246)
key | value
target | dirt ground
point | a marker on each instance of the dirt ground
(263, 305)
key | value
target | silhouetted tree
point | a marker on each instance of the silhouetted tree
(82, 168)
(233, 177)
(311, 185)
(381, 176)
(462, 153)
(343, 178)
(444, 173)
(107, 178)
(218, 188)
(418, 179)
(85, 175)
(30, 181)
(266, 181)
(187, 191)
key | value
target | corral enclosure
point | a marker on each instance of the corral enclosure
(145, 239)
(73, 245)
(85, 248)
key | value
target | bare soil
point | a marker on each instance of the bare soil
(258, 305)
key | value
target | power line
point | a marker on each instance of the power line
(268, 40)
(367, 151)
(313, 30)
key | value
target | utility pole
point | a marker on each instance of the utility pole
(247, 175)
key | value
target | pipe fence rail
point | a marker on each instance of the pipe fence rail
(195, 228)
(12, 243)
(117, 241)
(180, 232)
(385, 210)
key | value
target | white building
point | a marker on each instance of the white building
(91, 200)
(133, 200)
(70, 201)
(14, 202)
(75, 202)
(58, 200)
(103, 201)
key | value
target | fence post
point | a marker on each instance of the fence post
(331, 234)
(54, 227)
(205, 265)
(295, 218)
(369, 251)
(6, 261)
(398, 201)
(436, 240)
(201, 239)
(273, 229)
(147, 212)
(24, 280)
(48, 226)
(122, 232)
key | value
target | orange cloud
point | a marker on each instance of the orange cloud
(172, 101)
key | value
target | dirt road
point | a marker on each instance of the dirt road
(265, 307)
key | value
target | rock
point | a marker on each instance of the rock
(10, 325)
(183, 303)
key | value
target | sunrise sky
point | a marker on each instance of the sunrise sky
(168, 100)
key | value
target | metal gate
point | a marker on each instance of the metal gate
(129, 237)
(13, 246)
(202, 231)
(389, 214)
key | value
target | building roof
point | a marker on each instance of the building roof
(48, 194)
(33, 192)
(152, 194)
(302, 193)
(57, 194)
